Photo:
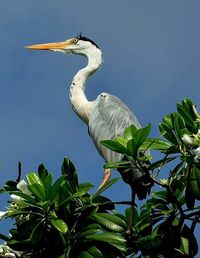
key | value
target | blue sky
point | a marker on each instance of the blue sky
(151, 60)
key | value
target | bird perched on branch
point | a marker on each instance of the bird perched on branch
(107, 116)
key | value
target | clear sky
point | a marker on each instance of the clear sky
(151, 60)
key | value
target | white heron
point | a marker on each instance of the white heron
(107, 116)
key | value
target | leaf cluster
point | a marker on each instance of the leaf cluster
(61, 219)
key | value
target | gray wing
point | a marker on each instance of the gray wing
(108, 120)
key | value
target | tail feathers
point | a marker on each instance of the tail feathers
(142, 186)
(139, 180)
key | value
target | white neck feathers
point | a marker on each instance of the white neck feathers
(79, 101)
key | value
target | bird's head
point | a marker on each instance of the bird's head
(79, 45)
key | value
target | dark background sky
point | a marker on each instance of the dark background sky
(151, 60)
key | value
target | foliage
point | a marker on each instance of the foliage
(63, 219)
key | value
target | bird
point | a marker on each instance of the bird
(107, 116)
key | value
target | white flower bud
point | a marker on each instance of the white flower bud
(22, 186)
(197, 152)
(187, 139)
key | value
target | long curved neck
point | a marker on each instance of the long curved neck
(79, 101)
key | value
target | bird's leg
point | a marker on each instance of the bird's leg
(130, 226)
(107, 174)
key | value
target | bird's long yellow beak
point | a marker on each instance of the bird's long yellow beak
(50, 46)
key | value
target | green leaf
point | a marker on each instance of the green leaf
(36, 186)
(189, 243)
(132, 147)
(189, 197)
(42, 171)
(24, 196)
(3, 237)
(128, 215)
(71, 197)
(19, 245)
(90, 229)
(185, 245)
(69, 171)
(110, 222)
(106, 186)
(86, 254)
(55, 187)
(114, 146)
(188, 105)
(109, 238)
(177, 127)
(37, 234)
(142, 134)
(129, 133)
(154, 144)
(47, 185)
(85, 187)
(194, 181)
(95, 252)
(38, 191)
(168, 121)
(91, 252)
(161, 194)
(106, 237)
(119, 164)
(60, 225)
(123, 141)
(10, 186)
(167, 132)
(103, 202)
(186, 115)
(161, 162)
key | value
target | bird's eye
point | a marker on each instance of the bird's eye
(75, 40)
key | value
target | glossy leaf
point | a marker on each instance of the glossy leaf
(168, 121)
(129, 133)
(36, 186)
(132, 147)
(10, 185)
(189, 243)
(114, 146)
(120, 164)
(42, 171)
(110, 222)
(168, 133)
(55, 187)
(112, 239)
(194, 181)
(60, 225)
(189, 197)
(90, 229)
(92, 252)
(37, 234)
(24, 196)
(184, 245)
(161, 162)
(106, 186)
(3, 237)
(69, 171)
(107, 237)
(128, 215)
(142, 134)
(85, 187)
(154, 144)
(186, 115)
(123, 141)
